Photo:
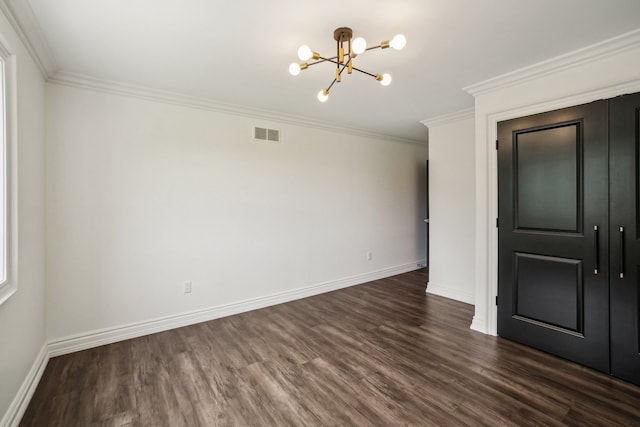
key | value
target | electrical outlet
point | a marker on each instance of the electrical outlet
(369, 256)
(187, 287)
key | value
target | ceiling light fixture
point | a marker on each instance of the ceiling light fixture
(344, 58)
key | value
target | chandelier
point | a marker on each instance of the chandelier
(344, 57)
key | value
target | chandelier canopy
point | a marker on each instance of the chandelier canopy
(344, 57)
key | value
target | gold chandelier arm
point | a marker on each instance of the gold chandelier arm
(331, 85)
(332, 59)
(322, 59)
(364, 72)
(338, 74)
(338, 64)
(359, 70)
(382, 45)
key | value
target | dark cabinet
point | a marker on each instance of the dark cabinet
(568, 187)
(624, 208)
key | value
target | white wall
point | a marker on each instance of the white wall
(604, 70)
(22, 323)
(452, 207)
(143, 196)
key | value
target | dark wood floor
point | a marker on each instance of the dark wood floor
(382, 353)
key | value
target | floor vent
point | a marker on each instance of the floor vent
(264, 134)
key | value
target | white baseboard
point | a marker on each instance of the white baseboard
(16, 410)
(450, 292)
(66, 345)
(97, 338)
(480, 324)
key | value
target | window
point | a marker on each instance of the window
(8, 282)
(3, 179)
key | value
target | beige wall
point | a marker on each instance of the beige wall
(452, 208)
(143, 196)
(22, 316)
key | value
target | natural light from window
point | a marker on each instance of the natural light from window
(3, 179)
(8, 282)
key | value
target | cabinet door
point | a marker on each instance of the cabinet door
(624, 122)
(552, 271)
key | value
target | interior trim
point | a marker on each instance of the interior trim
(141, 92)
(21, 18)
(97, 338)
(450, 292)
(595, 52)
(487, 248)
(19, 405)
(23, 21)
(456, 116)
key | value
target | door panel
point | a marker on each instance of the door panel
(552, 189)
(548, 290)
(624, 119)
(547, 177)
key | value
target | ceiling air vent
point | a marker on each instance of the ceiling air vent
(264, 134)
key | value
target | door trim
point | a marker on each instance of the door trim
(485, 319)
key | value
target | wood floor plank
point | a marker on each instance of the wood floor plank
(383, 353)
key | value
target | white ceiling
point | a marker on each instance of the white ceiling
(239, 51)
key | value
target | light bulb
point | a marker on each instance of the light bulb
(358, 45)
(294, 69)
(304, 52)
(398, 42)
(386, 80)
(323, 95)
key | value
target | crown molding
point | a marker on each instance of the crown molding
(23, 21)
(141, 92)
(456, 116)
(594, 52)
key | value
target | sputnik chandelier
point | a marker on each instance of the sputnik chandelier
(344, 58)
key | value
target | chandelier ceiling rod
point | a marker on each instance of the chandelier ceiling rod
(344, 59)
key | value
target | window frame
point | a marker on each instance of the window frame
(8, 173)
